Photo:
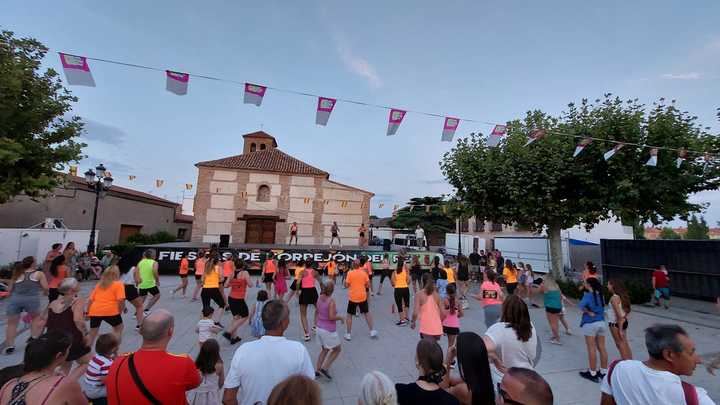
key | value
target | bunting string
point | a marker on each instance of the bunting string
(451, 122)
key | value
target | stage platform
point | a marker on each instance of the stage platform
(264, 247)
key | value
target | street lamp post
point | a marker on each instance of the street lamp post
(99, 181)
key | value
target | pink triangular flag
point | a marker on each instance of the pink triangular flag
(254, 94)
(394, 121)
(177, 82)
(449, 128)
(324, 109)
(77, 71)
(497, 135)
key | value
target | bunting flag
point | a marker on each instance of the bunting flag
(394, 121)
(188, 186)
(682, 155)
(254, 94)
(131, 177)
(444, 209)
(343, 204)
(243, 194)
(327, 202)
(381, 205)
(73, 170)
(497, 135)
(108, 174)
(306, 200)
(427, 209)
(534, 135)
(613, 151)
(324, 108)
(653, 158)
(159, 183)
(449, 128)
(177, 82)
(395, 207)
(581, 146)
(411, 208)
(77, 71)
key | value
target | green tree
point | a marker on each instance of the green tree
(36, 139)
(668, 233)
(435, 220)
(541, 187)
(697, 228)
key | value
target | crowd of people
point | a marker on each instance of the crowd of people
(65, 361)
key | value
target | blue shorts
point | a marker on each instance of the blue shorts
(662, 293)
(16, 304)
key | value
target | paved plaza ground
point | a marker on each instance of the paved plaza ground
(393, 352)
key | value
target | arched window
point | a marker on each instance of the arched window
(253, 147)
(262, 146)
(263, 194)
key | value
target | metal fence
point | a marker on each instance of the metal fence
(694, 265)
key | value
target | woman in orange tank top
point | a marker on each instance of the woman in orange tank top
(428, 309)
(183, 272)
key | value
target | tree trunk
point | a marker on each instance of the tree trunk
(556, 256)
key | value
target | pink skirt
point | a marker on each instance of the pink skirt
(280, 285)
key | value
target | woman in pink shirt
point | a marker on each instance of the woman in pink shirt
(308, 296)
(491, 297)
(429, 310)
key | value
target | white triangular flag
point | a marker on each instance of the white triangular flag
(324, 108)
(682, 155)
(451, 124)
(653, 157)
(497, 134)
(77, 71)
(613, 151)
(254, 94)
(177, 82)
(581, 146)
(534, 135)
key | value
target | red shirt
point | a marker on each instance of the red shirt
(167, 376)
(661, 279)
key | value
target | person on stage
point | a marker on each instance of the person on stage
(293, 233)
(362, 239)
(335, 234)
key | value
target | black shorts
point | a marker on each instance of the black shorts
(553, 310)
(131, 292)
(153, 291)
(449, 330)
(238, 307)
(385, 273)
(415, 275)
(293, 285)
(353, 306)
(334, 235)
(293, 233)
(211, 294)
(308, 296)
(463, 276)
(113, 321)
(402, 295)
(362, 234)
(614, 325)
(198, 277)
(268, 278)
(183, 276)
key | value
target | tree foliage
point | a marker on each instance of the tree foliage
(434, 220)
(668, 233)
(36, 139)
(697, 228)
(541, 187)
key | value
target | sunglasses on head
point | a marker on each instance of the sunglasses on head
(506, 399)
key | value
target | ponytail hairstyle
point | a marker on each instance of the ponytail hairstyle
(430, 359)
(619, 289)
(399, 267)
(452, 304)
(428, 284)
(596, 290)
(56, 262)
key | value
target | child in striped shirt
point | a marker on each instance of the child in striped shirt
(93, 381)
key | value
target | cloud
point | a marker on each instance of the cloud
(96, 131)
(111, 165)
(682, 76)
(356, 63)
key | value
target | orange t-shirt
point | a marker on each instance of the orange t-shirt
(62, 273)
(228, 268)
(184, 266)
(368, 267)
(331, 266)
(199, 266)
(270, 267)
(106, 302)
(357, 280)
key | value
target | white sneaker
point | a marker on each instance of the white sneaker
(348, 337)
(373, 334)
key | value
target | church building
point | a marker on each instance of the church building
(254, 198)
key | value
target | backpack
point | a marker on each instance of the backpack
(691, 396)
(256, 325)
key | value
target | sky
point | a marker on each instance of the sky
(487, 60)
